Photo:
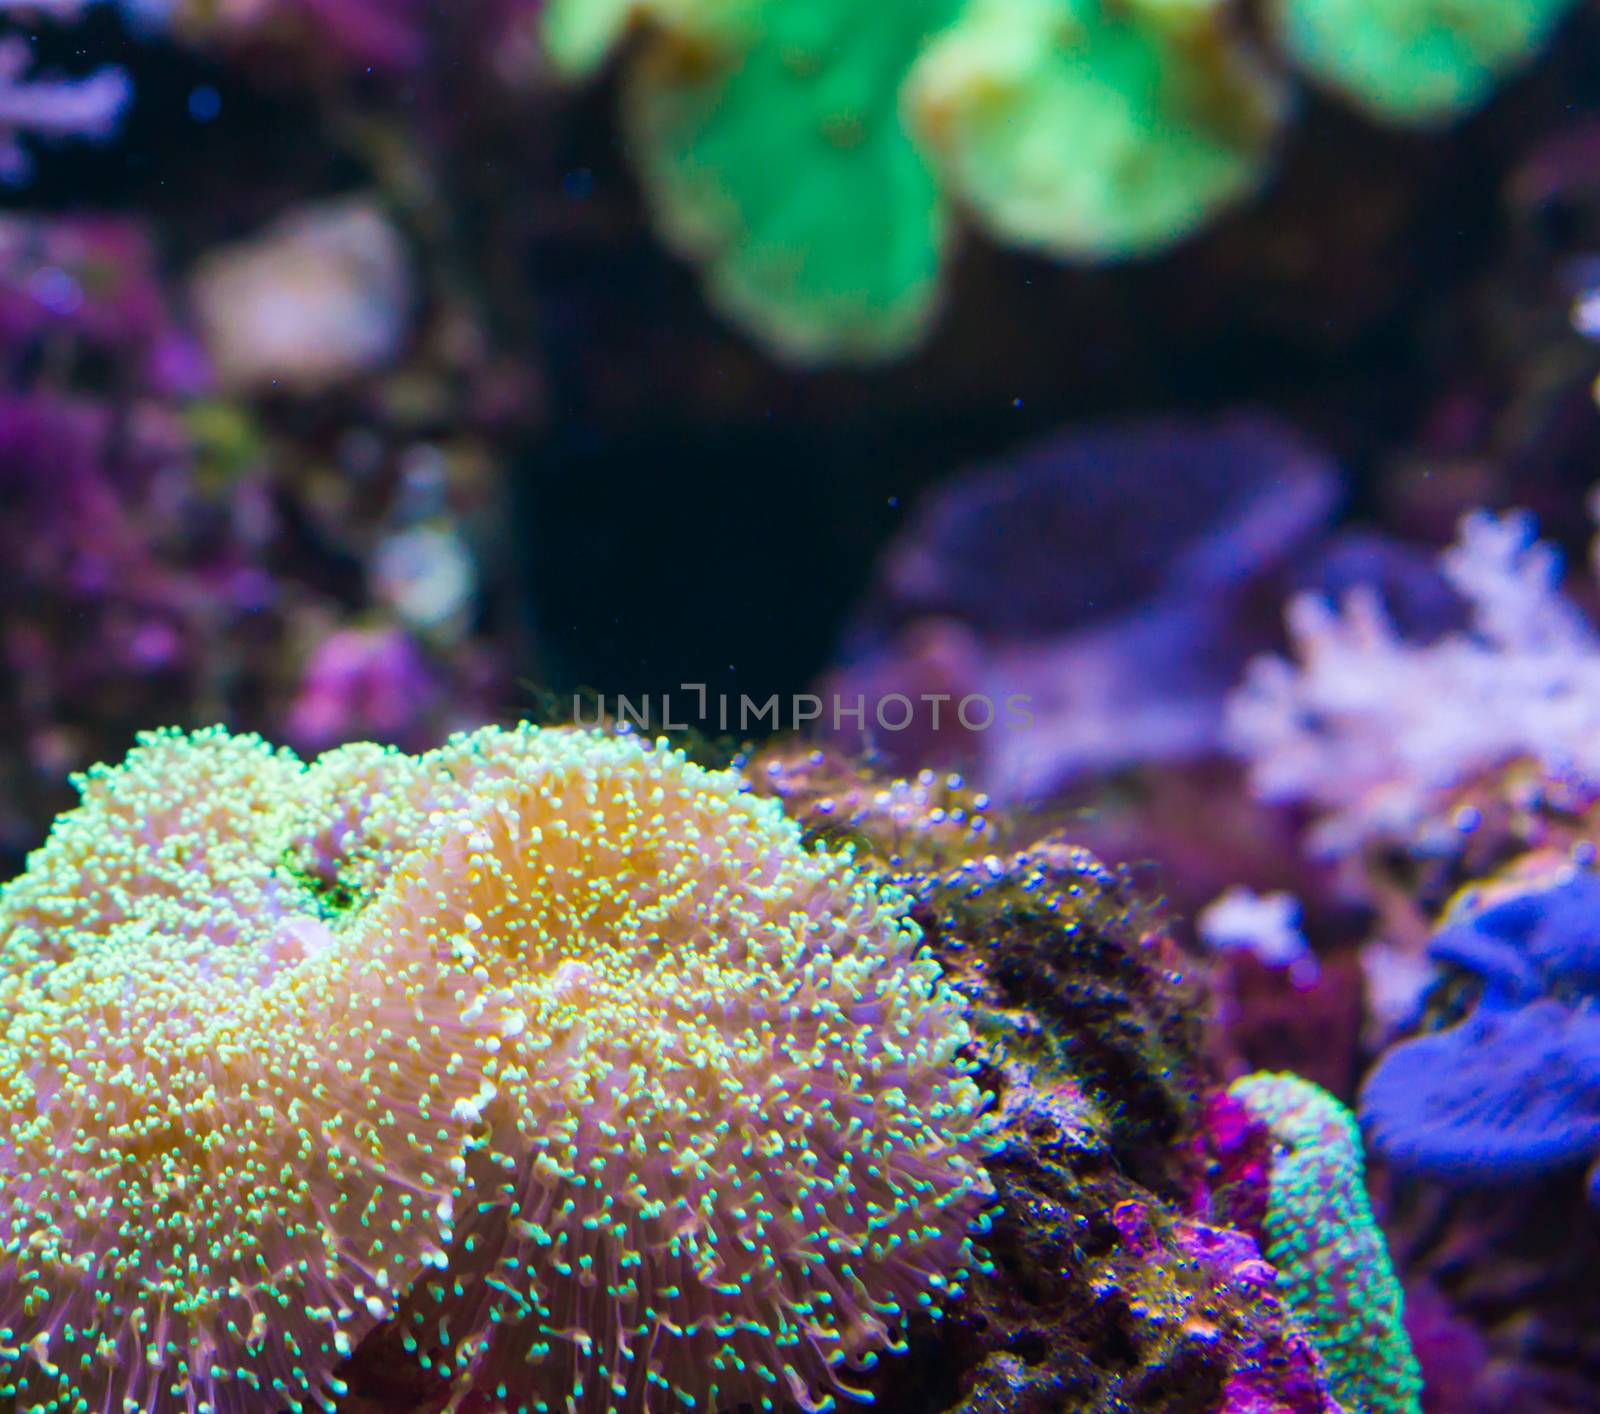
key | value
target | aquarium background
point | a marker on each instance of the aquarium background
(1198, 400)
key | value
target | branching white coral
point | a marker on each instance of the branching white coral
(1369, 727)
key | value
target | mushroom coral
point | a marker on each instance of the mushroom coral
(691, 1086)
(1415, 61)
(179, 837)
(727, 1145)
(782, 166)
(1512, 1091)
(1125, 544)
(807, 157)
(579, 34)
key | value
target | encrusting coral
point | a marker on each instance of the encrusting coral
(1111, 1286)
(1062, 965)
(690, 1086)
(1320, 1233)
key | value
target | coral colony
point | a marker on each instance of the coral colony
(1513, 1090)
(552, 1070)
(1084, 129)
(557, 1070)
(768, 135)
(1453, 782)
(1374, 729)
(43, 105)
(1127, 544)
(1322, 1237)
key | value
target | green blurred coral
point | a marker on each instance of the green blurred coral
(784, 170)
(1093, 128)
(1415, 61)
(1333, 1266)
(580, 34)
(806, 154)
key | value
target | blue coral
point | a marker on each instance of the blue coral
(1512, 1091)
(1533, 943)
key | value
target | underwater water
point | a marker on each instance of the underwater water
(717, 705)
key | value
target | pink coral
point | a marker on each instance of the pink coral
(1372, 728)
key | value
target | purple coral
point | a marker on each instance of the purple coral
(363, 683)
(1067, 573)
(1538, 940)
(123, 580)
(1507, 1094)
(1371, 727)
(387, 35)
(93, 281)
(1513, 1090)
(384, 33)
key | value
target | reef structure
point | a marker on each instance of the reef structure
(1119, 1275)
(553, 1070)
